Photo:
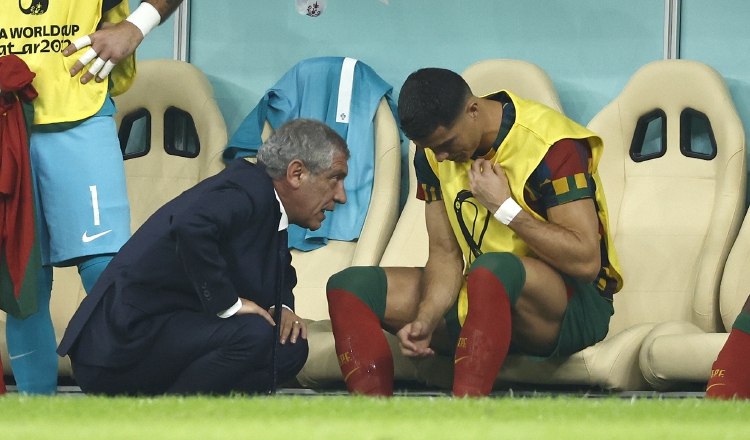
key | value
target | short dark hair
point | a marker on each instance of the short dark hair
(431, 98)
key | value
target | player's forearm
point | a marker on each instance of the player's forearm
(576, 254)
(165, 7)
(441, 283)
(443, 273)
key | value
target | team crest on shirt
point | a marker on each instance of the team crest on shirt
(37, 7)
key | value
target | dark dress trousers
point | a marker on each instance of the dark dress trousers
(150, 324)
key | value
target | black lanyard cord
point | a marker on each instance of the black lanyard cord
(475, 247)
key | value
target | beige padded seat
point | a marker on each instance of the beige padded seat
(677, 353)
(315, 267)
(674, 279)
(157, 177)
(407, 247)
(673, 219)
(408, 244)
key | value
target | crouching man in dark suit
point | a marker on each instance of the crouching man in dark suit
(186, 306)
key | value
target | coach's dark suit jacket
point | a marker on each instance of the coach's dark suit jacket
(215, 242)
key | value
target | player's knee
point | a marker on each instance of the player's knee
(368, 283)
(506, 267)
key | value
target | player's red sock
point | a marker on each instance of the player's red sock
(364, 355)
(730, 374)
(485, 335)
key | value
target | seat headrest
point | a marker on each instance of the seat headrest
(524, 79)
(162, 83)
(673, 85)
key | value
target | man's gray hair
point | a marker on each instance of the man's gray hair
(309, 140)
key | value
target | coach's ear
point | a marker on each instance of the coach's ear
(296, 173)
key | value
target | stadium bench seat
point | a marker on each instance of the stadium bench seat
(679, 354)
(673, 171)
(176, 138)
(315, 267)
(675, 208)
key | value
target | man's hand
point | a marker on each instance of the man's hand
(292, 326)
(249, 307)
(414, 339)
(489, 184)
(109, 45)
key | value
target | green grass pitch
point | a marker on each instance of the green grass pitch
(344, 417)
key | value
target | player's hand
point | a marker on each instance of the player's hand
(109, 45)
(292, 326)
(489, 184)
(414, 339)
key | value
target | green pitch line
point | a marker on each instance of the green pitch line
(343, 417)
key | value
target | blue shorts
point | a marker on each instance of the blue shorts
(79, 184)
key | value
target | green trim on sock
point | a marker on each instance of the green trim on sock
(508, 268)
(742, 323)
(368, 283)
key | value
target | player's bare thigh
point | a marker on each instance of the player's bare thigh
(402, 299)
(402, 304)
(540, 309)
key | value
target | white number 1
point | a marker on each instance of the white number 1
(95, 203)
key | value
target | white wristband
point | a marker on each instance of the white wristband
(507, 211)
(145, 17)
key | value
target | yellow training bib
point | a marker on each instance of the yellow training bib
(519, 154)
(38, 31)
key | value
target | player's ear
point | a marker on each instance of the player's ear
(472, 107)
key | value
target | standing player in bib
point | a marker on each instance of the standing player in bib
(520, 256)
(77, 167)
